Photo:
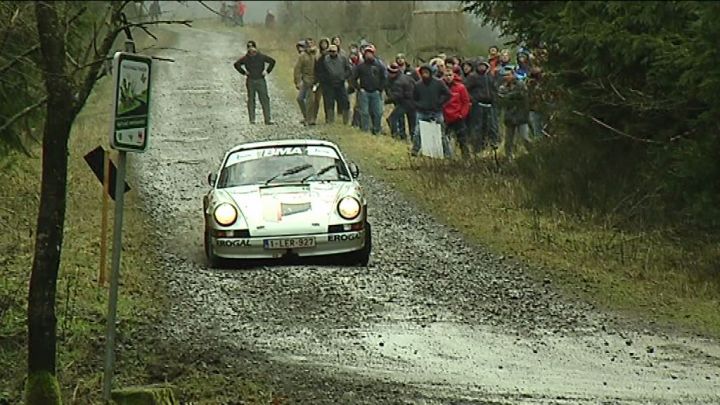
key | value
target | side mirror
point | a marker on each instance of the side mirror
(354, 170)
(212, 179)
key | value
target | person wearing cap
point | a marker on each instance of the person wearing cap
(301, 46)
(400, 93)
(513, 96)
(337, 71)
(430, 95)
(255, 66)
(368, 78)
(405, 67)
(304, 77)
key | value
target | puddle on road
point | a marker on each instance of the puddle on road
(479, 362)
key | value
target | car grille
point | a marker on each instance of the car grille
(342, 228)
(239, 233)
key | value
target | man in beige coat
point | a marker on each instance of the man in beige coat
(304, 74)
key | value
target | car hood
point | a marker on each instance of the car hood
(290, 209)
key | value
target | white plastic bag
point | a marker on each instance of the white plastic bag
(431, 139)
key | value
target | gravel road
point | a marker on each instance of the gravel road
(433, 319)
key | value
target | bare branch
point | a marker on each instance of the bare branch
(210, 8)
(25, 111)
(72, 60)
(91, 64)
(153, 47)
(148, 32)
(163, 59)
(187, 23)
(615, 130)
(8, 28)
(617, 92)
(93, 44)
(17, 59)
(92, 76)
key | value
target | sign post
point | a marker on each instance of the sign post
(129, 133)
(102, 277)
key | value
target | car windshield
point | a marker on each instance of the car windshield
(280, 165)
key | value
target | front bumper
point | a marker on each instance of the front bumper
(254, 247)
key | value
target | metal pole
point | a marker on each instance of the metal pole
(102, 277)
(114, 275)
(115, 268)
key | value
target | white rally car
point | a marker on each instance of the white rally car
(284, 198)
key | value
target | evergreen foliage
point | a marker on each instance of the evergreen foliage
(638, 109)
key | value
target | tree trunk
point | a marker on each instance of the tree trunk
(42, 387)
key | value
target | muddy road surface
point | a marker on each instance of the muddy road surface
(432, 319)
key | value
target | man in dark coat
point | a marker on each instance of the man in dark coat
(368, 78)
(400, 93)
(337, 71)
(430, 95)
(255, 66)
(483, 88)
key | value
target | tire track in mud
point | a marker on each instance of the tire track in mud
(431, 320)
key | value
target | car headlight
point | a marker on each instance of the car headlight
(349, 208)
(225, 214)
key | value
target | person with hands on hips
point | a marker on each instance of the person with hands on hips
(255, 66)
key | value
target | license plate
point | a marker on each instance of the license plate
(293, 243)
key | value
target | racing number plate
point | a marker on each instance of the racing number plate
(293, 243)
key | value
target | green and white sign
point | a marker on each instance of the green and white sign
(131, 108)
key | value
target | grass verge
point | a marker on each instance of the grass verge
(655, 275)
(81, 304)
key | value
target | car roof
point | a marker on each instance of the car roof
(283, 142)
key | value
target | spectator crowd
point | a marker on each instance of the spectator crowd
(468, 97)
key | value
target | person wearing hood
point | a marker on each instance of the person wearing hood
(304, 75)
(523, 63)
(255, 66)
(400, 93)
(337, 72)
(457, 109)
(513, 96)
(430, 95)
(368, 79)
(466, 68)
(483, 86)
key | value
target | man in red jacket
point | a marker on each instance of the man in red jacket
(457, 109)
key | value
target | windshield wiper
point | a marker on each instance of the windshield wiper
(319, 173)
(292, 170)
